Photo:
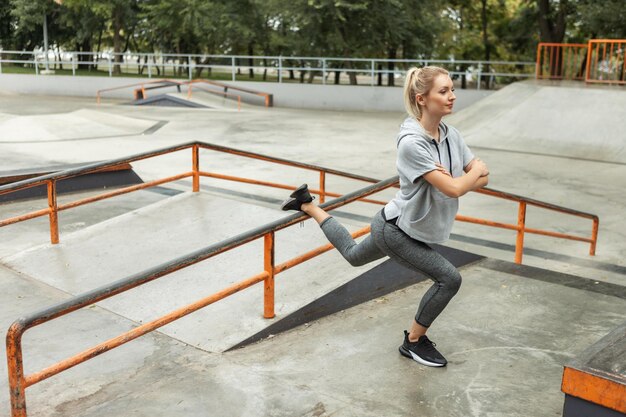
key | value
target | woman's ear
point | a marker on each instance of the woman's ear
(420, 99)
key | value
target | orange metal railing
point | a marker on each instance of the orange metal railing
(53, 208)
(267, 97)
(18, 381)
(521, 229)
(606, 61)
(598, 61)
(561, 61)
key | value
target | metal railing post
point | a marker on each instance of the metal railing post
(17, 383)
(74, 64)
(110, 67)
(324, 71)
(150, 65)
(196, 168)
(189, 66)
(232, 61)
(53, 214)
(480, 71)
(268, 294)
(521, 225)
(594, 236)
(322, 187)
(373, 63)
(280, 69)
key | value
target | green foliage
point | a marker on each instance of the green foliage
(412, 29)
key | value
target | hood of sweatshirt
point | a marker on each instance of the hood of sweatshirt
(411, 126)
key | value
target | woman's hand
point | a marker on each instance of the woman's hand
(480, 165)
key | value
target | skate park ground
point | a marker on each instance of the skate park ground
(507, 334)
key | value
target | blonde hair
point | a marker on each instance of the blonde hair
(419, 81)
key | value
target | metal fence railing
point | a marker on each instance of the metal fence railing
(323, 70)
(598, 61)
(606, 61)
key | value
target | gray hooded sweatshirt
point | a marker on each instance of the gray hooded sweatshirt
(420, 209)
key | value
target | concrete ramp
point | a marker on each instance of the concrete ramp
(68, 126)
(138, 240)
(565, 119)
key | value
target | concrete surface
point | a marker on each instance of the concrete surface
(506, 335)
(567, 119)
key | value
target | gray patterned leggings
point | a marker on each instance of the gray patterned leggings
(386, 239)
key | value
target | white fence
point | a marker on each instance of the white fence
(281, 69)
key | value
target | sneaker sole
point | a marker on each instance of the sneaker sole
(288, 202)
(411, 355)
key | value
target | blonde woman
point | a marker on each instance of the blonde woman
(435, 168)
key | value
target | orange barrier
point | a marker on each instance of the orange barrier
(561, 61)
(268, 98)
(53, 208)
(606, 61)
(598, 61)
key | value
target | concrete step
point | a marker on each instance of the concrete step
(173, 227)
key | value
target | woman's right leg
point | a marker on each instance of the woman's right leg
(419, 257)
(356, 253)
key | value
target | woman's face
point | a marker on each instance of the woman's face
(439, 101)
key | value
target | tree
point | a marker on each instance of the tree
(553, 19)
(121, 19)
(605, 19)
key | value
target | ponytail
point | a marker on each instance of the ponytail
(419, 81)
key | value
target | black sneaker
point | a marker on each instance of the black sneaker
(300, 196)
(423, 351)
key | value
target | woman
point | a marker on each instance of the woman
(435, 168)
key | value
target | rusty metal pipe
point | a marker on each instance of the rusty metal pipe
(268, 264)
(140, 331)
(521, 223)
(195, 156)
(23, 217)
(89, 169)
(594, 236)
(53, 212)
(277, 185)
(15, 366)
(124, 190)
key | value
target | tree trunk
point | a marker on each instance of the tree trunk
(95, 66)
(552, 29)
(251, 60)
(392, 53)
(486, 43)
(117, 40)
(351, 75)
(379, 81)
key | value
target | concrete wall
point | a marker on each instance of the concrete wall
(312, 96)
